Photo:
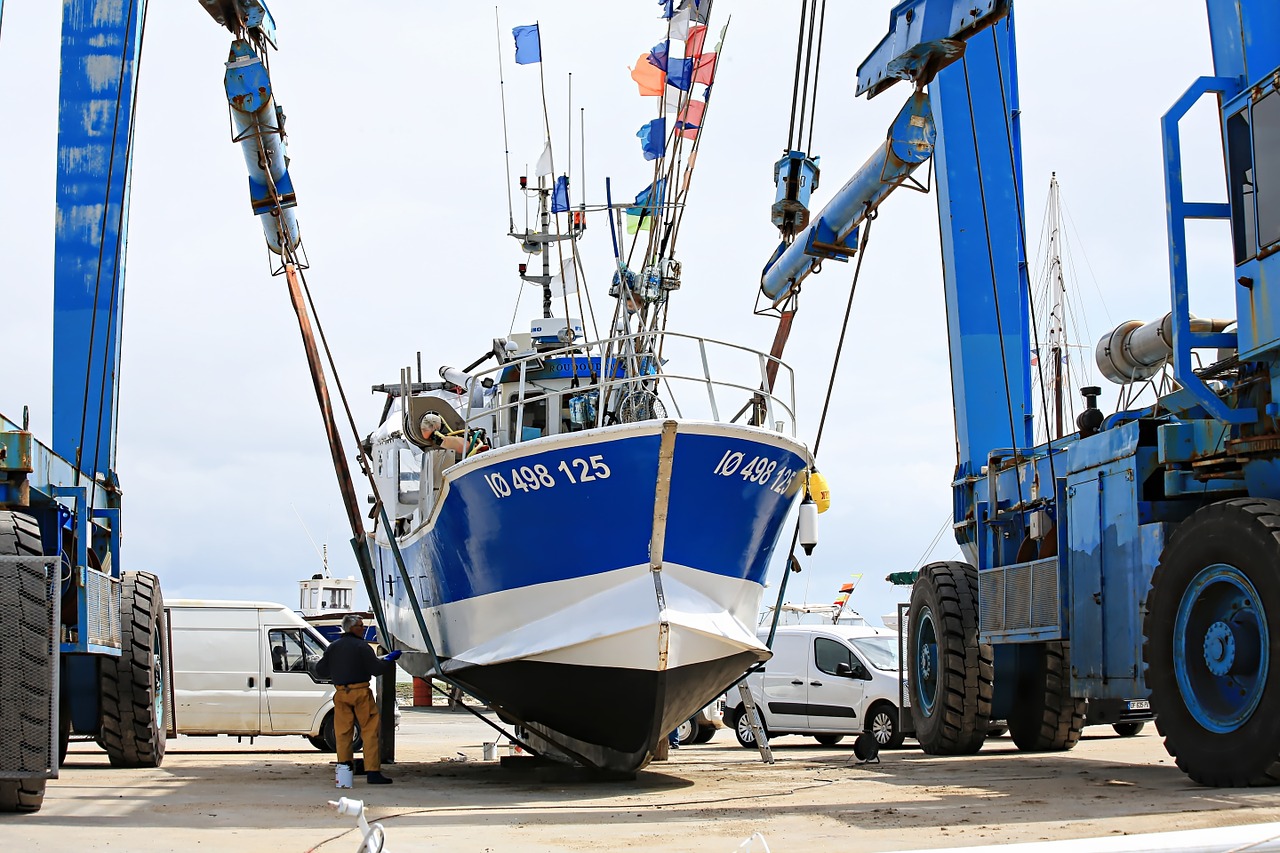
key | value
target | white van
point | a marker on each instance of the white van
(827, 681)
(245, 668)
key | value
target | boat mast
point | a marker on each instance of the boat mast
(1057, 322)
(545, 215)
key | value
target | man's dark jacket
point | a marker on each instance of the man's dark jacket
(350, 660)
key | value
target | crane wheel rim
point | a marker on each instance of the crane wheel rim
(1221, 648)
(926, 661)
(157, 677)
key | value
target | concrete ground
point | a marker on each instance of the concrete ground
(216, 794)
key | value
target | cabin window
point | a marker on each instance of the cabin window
(1266, 167)
(534, 424)
(828, 653)
(291, 650)
(1240, 160)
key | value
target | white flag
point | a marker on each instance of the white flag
(565, 283)
(544, 162)
(680, 24)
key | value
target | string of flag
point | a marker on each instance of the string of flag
(660, 71)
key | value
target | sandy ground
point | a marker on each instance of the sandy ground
(216, 794)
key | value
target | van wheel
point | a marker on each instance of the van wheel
(685, 731)
(828, 740)
(705, 733)
(326, 741)
(742, 728)
(882, 722)
(1128, 729)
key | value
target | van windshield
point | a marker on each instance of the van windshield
(880, 652)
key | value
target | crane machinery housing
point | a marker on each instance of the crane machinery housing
(1140, 556)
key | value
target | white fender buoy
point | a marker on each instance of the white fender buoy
(808, 525)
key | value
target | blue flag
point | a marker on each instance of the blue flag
(648, 198)
(560, 198)
(680, 74)
(528, 44)
(658, 56)
(653, 138)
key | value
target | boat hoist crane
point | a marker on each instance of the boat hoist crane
(1137, 558)
(87, 651)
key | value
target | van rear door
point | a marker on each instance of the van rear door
(294, 697)
(217, 680)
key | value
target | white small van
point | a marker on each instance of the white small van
(827, 681)
(245, 668)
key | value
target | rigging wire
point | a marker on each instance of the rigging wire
(117, 289)
(822, 421)
(991, 263)
(933, 543)
(795, 85)
(97, 282)
(1022, 248)
(817, 67)
(808, 60)
(506, 146)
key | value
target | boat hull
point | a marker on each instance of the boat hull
(606, 606)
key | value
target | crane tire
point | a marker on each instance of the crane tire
(133, 692)
(1045, 716)
(19, 537)
(1211, 609)
(952, 674)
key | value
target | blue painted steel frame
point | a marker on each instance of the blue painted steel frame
(101, 42)
(1178, 212)
(979, 176)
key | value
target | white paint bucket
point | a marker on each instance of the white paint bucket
(491, 751)
(343, 776)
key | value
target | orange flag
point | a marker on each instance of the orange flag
(648, 77)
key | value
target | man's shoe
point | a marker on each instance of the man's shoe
(374, 777)
(674, 745)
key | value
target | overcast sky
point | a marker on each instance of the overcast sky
(396, 139)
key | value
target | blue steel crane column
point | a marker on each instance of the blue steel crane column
(63, 500)
(109, 657)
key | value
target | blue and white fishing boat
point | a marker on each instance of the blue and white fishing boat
(589, 547)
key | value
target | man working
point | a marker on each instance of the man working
(350, 662)
(432, 427)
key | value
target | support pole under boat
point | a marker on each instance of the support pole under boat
(345, 485)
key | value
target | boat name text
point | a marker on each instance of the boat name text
(759, 471)
(531, 478)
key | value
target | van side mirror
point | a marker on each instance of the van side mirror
(858, 671)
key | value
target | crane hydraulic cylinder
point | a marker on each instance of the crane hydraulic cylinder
(259, 130)
(908, 144)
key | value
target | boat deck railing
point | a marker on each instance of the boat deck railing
(644, 376)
